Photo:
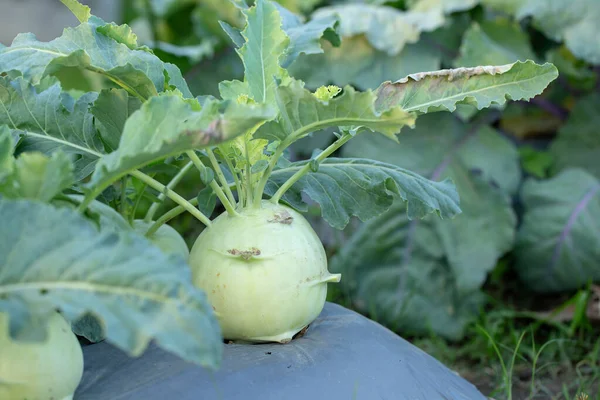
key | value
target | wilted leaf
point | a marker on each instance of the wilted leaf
(53, 258)
(557, 244)
(346, 187)
(480, 86)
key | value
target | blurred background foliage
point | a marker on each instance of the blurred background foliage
(527, 173)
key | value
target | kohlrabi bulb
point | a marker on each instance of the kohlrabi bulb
(165, 238)
(40, 370)
(264, 271)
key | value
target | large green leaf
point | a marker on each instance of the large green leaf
(364, 188)
(574, 22)
(138, 71)
(409, 290)
(459, 252)
(386, 28)
(578, 141)
(557, 247)
(169, 125)
(38, 177)
(51, 120)
(479, 86)
(306, 38)
(301, 113)
(261, 54)
(53, 258)
(495, 42)
(111, 110)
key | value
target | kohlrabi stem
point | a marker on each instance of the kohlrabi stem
(156, 185)
(176, 179)
(248, 185)
(236, 179)
(220, 175)
(304, 170)
(123, 205)
(265, 177)
(169, 215)
(213, 184)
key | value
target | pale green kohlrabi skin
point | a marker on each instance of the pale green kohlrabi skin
(165, 238)
(40, 370)
(265, 273)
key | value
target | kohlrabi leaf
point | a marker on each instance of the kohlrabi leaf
(81, 12)
(7, 161)
(262, 53)
(356, 62)
(55, 259)
(578, 140)
(479, 86)
(51, 120)
(396, 274)
(302, 112)
(346, 187)
(483, 165)
(111, 110)
(557, 244)
(169, 125)
(138, 71)
(36, 176)
(495, 42)
(574, 22)
(386, 28)
(306, 38)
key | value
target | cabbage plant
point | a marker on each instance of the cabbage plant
(75, 164)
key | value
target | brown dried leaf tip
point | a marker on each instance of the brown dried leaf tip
(245, 254)
(282, 217)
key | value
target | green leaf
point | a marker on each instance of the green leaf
(306, 38)
(396, 273)
(90, 328)
(578, 141)
(356, 62)
(259, 166)
(535, 162)
(207, 200)
(495, 42)
(7, 162)
(484, 166)
(169, 125)
(83, 13)
(51, 120)
(111, 109)
(574, 22)
(302, 113)
(54, 259)
(480, 86)
(386, 28)
(557, 245)
(38, 177)
(578, 73)
(140, 72)
(261, 54)
(364, 188)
